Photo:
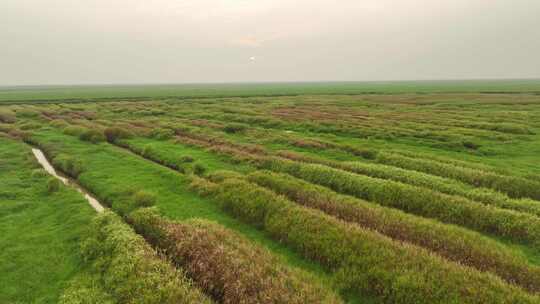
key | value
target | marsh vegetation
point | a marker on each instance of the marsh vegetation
(370, 198)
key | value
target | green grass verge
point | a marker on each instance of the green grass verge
(40, 230)
(127, 268)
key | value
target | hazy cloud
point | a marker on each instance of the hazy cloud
(127, 41)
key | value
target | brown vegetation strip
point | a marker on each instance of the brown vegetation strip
(228, 266)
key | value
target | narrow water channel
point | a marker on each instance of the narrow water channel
(50, 169)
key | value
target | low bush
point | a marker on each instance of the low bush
(92, 135)
(471, 145)
(30, 126)
(234, 128)
(363, 260)
(113, 134)
(452, 242)
(448, 160)
(68, 165)
(27, 113)
(484, 195)
(516, 187)
(131, 271)
(7, 116)
(38, 173)
(152, 153)
(53, 185)
(74, 130)
(5, 128)
(149, 151)
(142, 198)
(366, 153)
(180, 128)
(516, 226)
(511, 128)
(22, 135)
(85, 290)
(162, 133)
(221, 175)
(59, 123)
(202, 186)
(186, 159)
(308, 143)
(198, 168)
(227, 266)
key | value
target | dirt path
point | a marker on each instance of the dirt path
(50, 169)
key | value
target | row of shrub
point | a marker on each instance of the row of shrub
(363, 260)
(452, 161)
(118, 135)
(14, 132)
(514, 186)
(7, 116)
(114, 134)
(503, 127)
(516, 226)
(182, 164)
(236, 154)
(162, 133)
(217, 140)
(452, 242)
(364, 152)
(227, 266)
(421, 179)
(86, 134)
(128, 269)
(485, 196)
(85, 289)
(67, 164)
(435, 138)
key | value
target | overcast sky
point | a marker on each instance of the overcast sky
(177, 41)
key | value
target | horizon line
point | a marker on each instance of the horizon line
(264, 82)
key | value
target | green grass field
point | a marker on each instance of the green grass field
(40, 230)
(165, 91)
(412, 192)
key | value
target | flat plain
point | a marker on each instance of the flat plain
(414, 192)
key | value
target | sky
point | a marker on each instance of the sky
(191, 41)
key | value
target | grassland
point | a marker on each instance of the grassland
(165, 91)
(41, 230)
(421, 193)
